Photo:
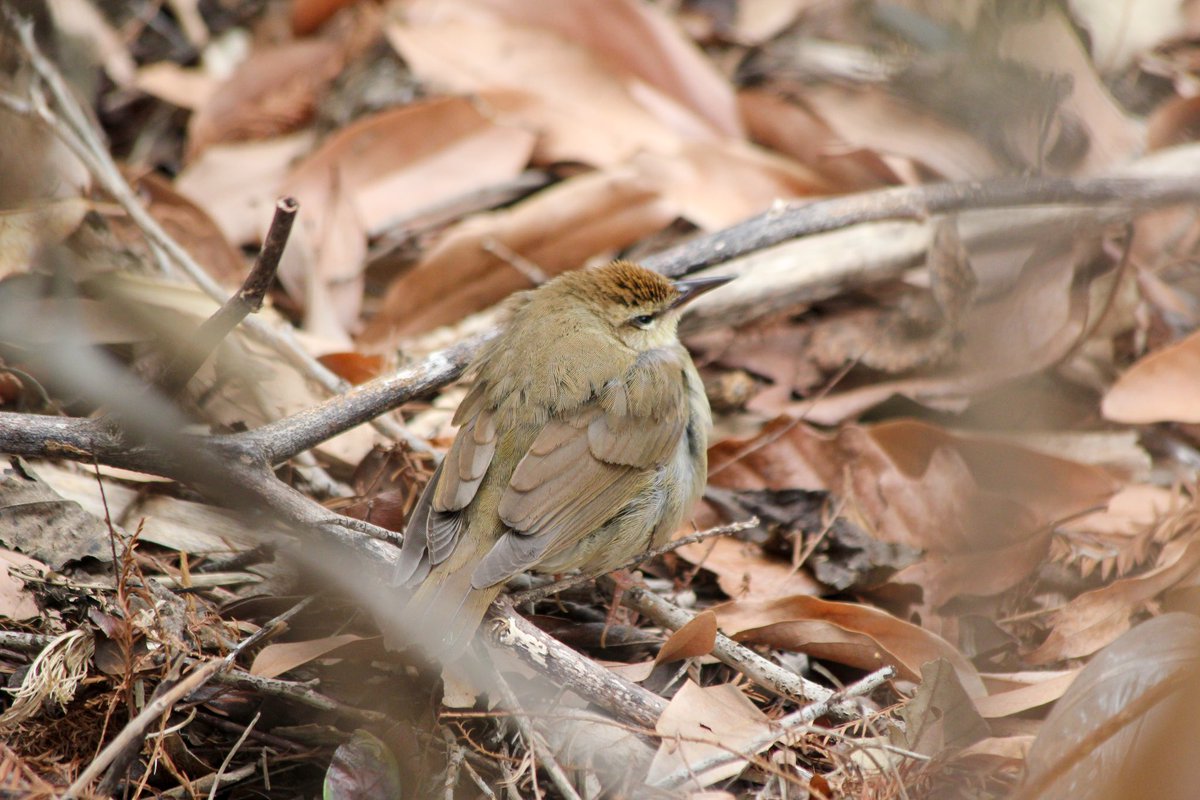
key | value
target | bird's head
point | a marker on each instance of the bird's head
(640, 307)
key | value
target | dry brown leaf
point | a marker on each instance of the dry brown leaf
(1161, 387)
(1096, 618)
(37, 521)
(308, 15)
(694, 639)
(185, 87)
(238, 184)
(1026, 697)
(276, 659)
(1050, 43)
(167, 521)
(703, 722)
(940, 716)
(984, 573)
(850, 633)
(274, 91)
(1022, 330)
(744, 571)
(1126, 727)
(870, 118)
(376, 169)
(24, 230)
(556, 229)
(794, 130)
(353, 367)
(193, 228)
(715, 184)
(638, 39)
(582, 110)
(16, 602)
(914, 483)
(1177, 121)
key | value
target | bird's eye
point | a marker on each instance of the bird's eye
(642, 320)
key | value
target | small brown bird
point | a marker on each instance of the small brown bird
(581, 444)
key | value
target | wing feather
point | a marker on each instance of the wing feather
(585, 466)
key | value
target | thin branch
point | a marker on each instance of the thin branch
(134, 732)
(533, 741)
(624, 699)
(212, 793)
(795, 219)
(758, 669)
(542, 592)
(77, 132)
(784, 726)
(242, 303)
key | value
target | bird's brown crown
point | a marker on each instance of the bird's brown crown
(629, 285)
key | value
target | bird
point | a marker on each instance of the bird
(581, 444)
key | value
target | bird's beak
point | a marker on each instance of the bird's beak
(692, 288)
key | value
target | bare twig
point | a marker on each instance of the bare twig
(134, 732)
(453, 764)
(77, 132)
(542, 592)
(533, 741)
(245, 301)
(212, 793)
(564, 667)
(758, 669)
(781, 728)
(795, 219)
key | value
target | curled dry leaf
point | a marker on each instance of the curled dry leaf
(379, 168)
(556, 229)
(794, 130)
(584, 108)
(639, 39)
(694, 639)
(848, 633)
(1094, 619)
(1126, 727)
(703, 722)
(24, 230)
(1025, 697)
(273, 91)
(1161, 387)
(276, 659)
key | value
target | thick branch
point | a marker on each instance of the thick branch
(795, 219)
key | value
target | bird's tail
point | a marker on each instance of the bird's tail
(445, 610)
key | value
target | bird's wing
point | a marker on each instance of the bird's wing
(437, 522)
(586, 465)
